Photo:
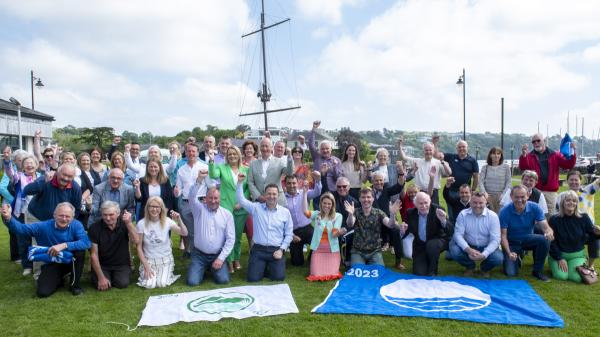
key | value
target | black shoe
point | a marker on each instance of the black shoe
(186, 255)
(76, 291)
(540, 276)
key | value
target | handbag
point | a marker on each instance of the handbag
(588, 275)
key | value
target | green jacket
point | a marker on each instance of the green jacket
(228, 185)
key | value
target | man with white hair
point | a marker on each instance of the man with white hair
(109, 255)
(267, 170)
(432, 231)
(324, 156)
(52, 189)
(59, 234)
(424, 167)
(114, 189)
(208, 145)
(547, 164)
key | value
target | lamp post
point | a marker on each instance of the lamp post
(462, 81)
(477, 152)
(38, 84)
(18, 104)
(512, 151)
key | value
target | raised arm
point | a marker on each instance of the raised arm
(37, 152)
(239, 194)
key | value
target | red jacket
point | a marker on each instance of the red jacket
(555, 161)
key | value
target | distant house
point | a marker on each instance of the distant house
(320, 136)
(31, 121)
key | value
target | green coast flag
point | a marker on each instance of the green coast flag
(212, 305)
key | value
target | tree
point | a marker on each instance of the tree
(129, 137)
(101, 136)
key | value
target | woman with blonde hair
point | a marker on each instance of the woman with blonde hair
(571, 229)
(154, 183)
(154, 251)
(325, 258)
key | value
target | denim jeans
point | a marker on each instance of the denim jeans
(535, 242)
(460, 256)
(200, 262)
(261, 262)
(360, 257)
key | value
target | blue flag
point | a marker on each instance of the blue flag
(375, 290)
(565, 146)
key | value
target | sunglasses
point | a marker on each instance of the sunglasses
(342, 186)
(48, 156)
(535, 141)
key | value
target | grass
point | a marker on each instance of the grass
(22, 314)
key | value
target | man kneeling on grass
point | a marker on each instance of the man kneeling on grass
(477, 237)
(272, 233)
(110, 247)
(60, 235)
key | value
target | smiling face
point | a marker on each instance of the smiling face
(63, 215)
(213, 199)
(265, 148)
(95, 156)
(249, 151)
(477, 204)
(366, 200)
(153, 169)
(134, 151)
(574, 182)
(462, 149)
(110, 216)
(326, 205)
(271, 195)
(224, 144)
(115, 178)
(65, 175)
(291, 185)
(382, 158)
(325, 149)
(118, 161)
(69, 159)
(29, 166)
(422, 203)
(351, 152)
(233, 158)
(378, 182)
(537, 141)
(85, 163)
(154, 210)
(428, 151)
(495, 156)
(570, 204)
(464, 193)
(519, 198)
(528, 182)
(279, 149)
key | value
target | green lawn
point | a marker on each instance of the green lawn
(22, 314)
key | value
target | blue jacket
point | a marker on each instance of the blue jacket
(47, 196)
(47, 234)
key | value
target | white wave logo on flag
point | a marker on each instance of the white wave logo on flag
(434, 295)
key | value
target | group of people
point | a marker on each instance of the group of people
(62, 205)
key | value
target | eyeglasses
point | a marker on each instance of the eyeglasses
(535, 141)
(342, 186)
(154, 207)
(48, 156)
(116, 178)
(297, 152)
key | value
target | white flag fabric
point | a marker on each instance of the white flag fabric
(212, 305)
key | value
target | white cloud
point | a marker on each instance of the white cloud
(329, 10)
(592, 54)
(409, 58)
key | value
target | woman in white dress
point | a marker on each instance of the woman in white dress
(155, 253)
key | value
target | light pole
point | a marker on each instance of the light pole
(38, 84)
(462, 81)
(18, 104)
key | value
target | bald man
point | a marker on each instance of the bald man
(432, 230)
(266, 170)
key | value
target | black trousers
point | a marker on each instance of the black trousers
(426, 256)
(296, 254)
(118, 276)
(51, 276)
(14, 246)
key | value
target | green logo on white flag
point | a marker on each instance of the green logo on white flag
(221, 302)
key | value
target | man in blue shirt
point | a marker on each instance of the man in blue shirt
(58, 234)
(52, 189)
(273, 233)
(517, 221)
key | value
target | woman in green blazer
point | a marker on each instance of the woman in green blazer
(228, 174)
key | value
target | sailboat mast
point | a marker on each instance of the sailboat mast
(265, 96)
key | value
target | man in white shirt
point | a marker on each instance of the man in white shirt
(214, 235)
(186, 177)
(423, 167)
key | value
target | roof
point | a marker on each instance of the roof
(6, 107)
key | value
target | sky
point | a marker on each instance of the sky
(165, 67)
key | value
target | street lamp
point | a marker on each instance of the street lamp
(38, 84)
(462, 81)
(18, 104)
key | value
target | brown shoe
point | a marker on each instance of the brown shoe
(485, 274)
(468, 273)
(400, 266)
(230, 267)
(237, 265)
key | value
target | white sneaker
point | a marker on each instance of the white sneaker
(17, 261)
(26, 271)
